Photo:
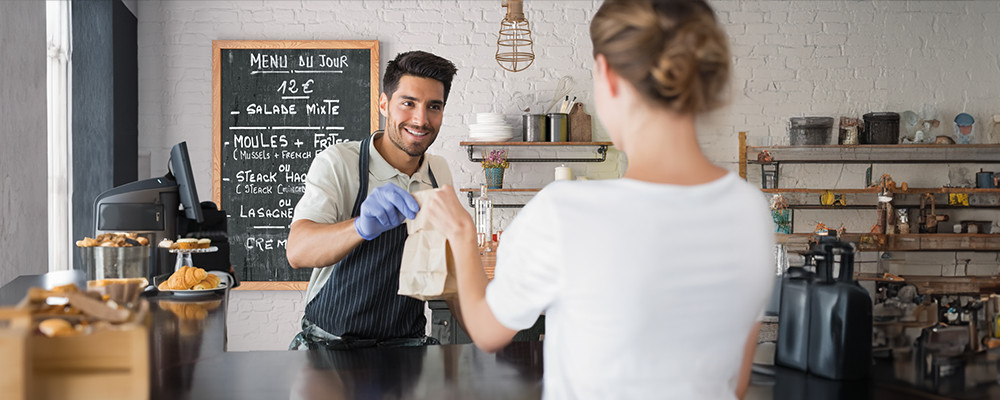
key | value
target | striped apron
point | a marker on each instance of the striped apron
(359, 300)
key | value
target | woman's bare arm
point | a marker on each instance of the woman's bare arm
(748, 350)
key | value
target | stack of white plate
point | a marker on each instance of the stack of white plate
(490, 127)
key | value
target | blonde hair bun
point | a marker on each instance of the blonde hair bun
(673, 51)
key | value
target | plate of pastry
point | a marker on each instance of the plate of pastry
(193, 281)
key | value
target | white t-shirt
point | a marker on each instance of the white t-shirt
(332, 185)
(649, 290)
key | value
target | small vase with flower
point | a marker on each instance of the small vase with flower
(494, 165)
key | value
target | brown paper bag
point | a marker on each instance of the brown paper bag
(428, 268)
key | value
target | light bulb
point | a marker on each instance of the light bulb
(515, 49)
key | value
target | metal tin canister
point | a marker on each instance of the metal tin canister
(534, 128)
(985, 180)
(558, 127)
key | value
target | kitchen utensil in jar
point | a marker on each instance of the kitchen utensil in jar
(563, 88)
(522, 101)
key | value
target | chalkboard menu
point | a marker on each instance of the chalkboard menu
(276, 105)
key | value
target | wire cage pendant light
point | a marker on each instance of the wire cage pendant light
(515, 49)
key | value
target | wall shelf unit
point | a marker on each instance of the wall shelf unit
(472, 193)
(809, 199)
(600, 155)
(877, 154)
(867, 198)
(601, 150)
(944, 285)
(799, 242)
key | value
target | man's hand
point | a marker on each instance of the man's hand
(385, 208)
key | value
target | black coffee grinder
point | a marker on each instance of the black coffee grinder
(825, 323)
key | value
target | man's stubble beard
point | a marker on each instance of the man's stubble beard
(397, 139)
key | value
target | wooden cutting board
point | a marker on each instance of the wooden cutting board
(579, 124)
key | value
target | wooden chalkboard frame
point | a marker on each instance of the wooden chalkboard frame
(217, 47)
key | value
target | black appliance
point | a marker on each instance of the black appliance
(150, 208)
(825, 324)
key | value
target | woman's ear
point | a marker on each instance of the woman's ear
(605, 75)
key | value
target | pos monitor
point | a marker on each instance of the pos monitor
(180, 170)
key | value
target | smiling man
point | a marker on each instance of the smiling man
(348, 224)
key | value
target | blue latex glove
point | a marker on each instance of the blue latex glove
(384, 209)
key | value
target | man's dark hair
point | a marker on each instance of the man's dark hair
(421, 64)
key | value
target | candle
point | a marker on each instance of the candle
(564, 173)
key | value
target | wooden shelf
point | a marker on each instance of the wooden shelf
(868, 198)
(944, 241)
(472, 193)
(943, 190)
(905, 324)
(601, 147)
(818, 191)
(799, 242)
(476, 190)
(473, 143)
(949, 285)
(879, 154)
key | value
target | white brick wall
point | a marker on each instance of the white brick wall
(792, 58)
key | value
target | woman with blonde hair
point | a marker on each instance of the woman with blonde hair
(652, 285)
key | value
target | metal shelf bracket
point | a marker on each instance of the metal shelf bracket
(602, 149)
(471, 204)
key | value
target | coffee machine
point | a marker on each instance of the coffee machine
(150, 208)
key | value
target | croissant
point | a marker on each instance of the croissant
(53, 327)
(210, 282)
(184, 278)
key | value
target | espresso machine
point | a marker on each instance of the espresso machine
(150, 208)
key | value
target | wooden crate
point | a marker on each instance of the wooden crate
(109, 364)
(15, 330)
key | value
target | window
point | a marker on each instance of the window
(58, 75)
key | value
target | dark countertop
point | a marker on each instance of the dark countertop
(890, 379)
(188, 361)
